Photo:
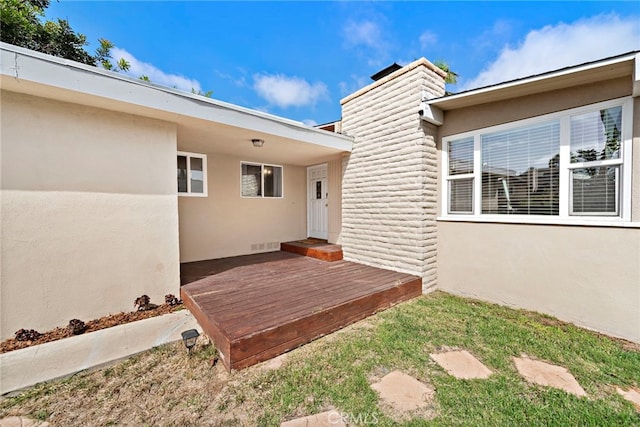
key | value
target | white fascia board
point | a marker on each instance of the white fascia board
(636, 76)
(24, 65)
(431, 114)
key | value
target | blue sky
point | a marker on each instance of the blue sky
(298, 59)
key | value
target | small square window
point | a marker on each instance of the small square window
(259, 180)
(192, 174)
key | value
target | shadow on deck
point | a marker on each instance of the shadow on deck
(256, 307)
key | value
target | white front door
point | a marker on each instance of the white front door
(317, 207)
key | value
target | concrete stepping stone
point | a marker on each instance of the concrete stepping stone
(403, 392)
(632, 395)
(324, 419)
(461, 364)
(22, 422)
(546, 374)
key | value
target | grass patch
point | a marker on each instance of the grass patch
(166, 387)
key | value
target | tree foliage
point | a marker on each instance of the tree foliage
(451, 78)
(22, 26)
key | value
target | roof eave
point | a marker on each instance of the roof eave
(619, 65)
(22, 67)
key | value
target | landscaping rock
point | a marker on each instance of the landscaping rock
(461, 364)
(632, 395)
(542, 373)
(22, 422)
(403, 392)
(324, 419)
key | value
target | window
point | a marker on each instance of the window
(596, 138)
(520, 170)
(575, 163)
(192, 174)
(461, 176)
(260, 180)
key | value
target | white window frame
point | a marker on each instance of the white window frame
(262, 165)
(189, 156)
(564, 117)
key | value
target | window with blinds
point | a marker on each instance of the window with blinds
(460, 179)
(596, 138)
(520, 170)
(573, 164)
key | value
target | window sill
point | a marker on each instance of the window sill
(192, 194)
(582, 222)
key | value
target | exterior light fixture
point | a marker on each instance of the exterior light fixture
(257, 142)
(189, 338)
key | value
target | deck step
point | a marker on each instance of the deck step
(314, 248)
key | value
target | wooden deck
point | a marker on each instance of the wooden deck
(256, 307)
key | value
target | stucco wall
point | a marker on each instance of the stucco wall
(390, 179)
(225, 224)
(335, 200)
(586, 275)
(495, 113)
(89, 212)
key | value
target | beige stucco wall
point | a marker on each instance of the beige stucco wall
(335, 200)
(491, 114)
(586, 275)
(390, 180)
(89, 212)
(225, 224)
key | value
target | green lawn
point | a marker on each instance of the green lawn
(164, 386)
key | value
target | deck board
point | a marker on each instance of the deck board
(259, 306)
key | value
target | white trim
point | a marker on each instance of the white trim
(523, 219)
(627, 156)
(205, 174)
(564, 216)
(262, 165)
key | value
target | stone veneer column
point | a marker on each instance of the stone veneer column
(389, 187)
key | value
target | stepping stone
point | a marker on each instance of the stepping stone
(632, 395)
(22, 422)
(324, 419)
(403, 392)
(462, 365)
(542, 373)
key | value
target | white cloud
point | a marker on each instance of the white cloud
(366, 38)
(366, 33)
(428, 39)
(285, 91)
(557, 46)
(310, 122)
(139, 68)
